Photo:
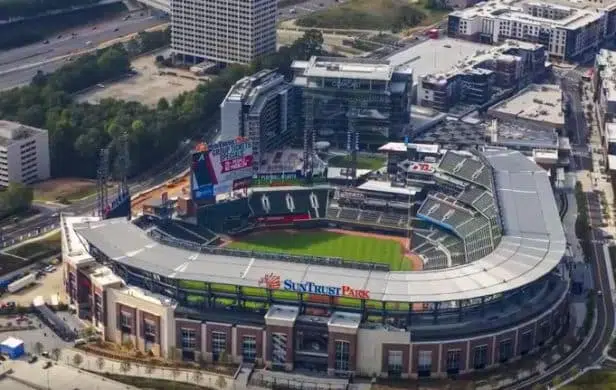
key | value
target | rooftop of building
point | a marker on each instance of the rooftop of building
(348, 68)
(345, 320)
(536, 103)
(76, 250)
(11, 132)
(104, 276)
(282, 313)
(148, 296)
(576, 14)
(508, 133)
(607, 60)
(453, 134)
(468, 65)
(246, 86)
(435, 55)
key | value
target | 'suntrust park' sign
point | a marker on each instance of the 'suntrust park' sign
(273, 281)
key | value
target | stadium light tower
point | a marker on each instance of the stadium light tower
(102, 179)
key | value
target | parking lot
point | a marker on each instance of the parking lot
(45, 286)
(41, 334)
(147, 86)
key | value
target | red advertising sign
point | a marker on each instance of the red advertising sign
(422, 167)
(237, 163)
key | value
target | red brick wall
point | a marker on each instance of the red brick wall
(406, 354)
(331, 349)
(425, 347)
(462, 346)
(489, 341)
(271, 329)
(256, 333)
(507, 335)
(214, 327)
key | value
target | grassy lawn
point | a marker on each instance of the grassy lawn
(64, 191)
(327, 244)
(382, 15)
(363, 162)
(594, 380)
(45, 247)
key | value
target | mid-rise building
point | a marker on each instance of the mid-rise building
(24, 154)
(476, 80)
(604, 78)
(223, 31)
(265, 109)
(567, 29)
(353, 103)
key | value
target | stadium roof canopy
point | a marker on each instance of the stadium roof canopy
(532, 246)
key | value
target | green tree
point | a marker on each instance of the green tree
(125, 366)
(100, 363)
(56, 353)
(77, 359)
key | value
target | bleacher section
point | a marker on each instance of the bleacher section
(224, 216)
(469, 168)
(438, 249)
(464, 209)
(265, 202)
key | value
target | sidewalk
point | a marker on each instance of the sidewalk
(91, 363)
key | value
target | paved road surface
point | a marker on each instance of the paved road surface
(19, 65)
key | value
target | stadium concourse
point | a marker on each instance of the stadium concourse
(485, 225)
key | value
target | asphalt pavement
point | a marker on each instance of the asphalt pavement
(19, 65)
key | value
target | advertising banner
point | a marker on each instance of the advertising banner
(220, 168)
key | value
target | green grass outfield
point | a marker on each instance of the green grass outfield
(327, 244)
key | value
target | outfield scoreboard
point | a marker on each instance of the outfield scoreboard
(220, 168)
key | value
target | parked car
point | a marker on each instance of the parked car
(32, 359)
(47, 365)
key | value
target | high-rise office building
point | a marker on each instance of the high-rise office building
(24, 154)
(223, 31)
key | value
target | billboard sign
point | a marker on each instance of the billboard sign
(220, 168)
(273, 281)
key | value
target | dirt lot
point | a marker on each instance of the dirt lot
(70, 189)
(146, 87)
(174, 189)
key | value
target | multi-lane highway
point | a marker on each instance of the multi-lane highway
(19, 65)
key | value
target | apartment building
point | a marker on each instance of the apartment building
(221, 31)
(604, 82)
(569, 30)
(264, 108)
(476, 80)
(24, 154)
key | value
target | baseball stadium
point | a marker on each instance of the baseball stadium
(439, 264)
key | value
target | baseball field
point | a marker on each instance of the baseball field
(355, 247)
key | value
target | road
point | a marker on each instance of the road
(592, 353)
(174, 166)
(19, 65)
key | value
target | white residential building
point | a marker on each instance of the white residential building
(568, 29)
(223, 31)
(24, 154)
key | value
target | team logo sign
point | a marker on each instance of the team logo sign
(270, 281)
